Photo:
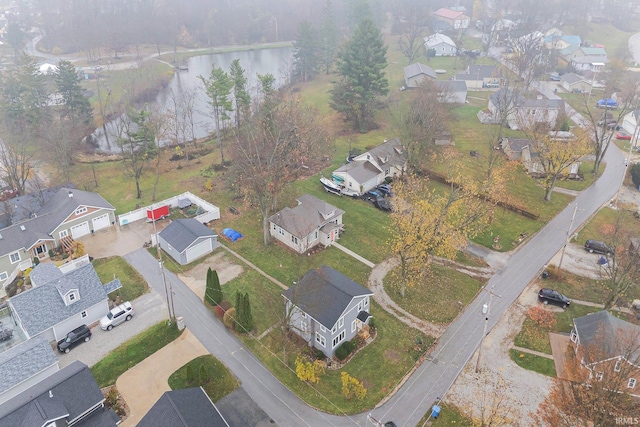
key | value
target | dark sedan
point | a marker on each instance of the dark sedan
(550, 296)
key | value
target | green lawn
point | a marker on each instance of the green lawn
(450, 415)
(133, 284)
(132, 352)
(585, 171)
(534, 363)
(437, 299)
(394, 349)
(220, 381)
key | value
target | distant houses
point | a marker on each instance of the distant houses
(480, 77)
(525, 111)
(457, 19)
(416, 73)
(440, 44)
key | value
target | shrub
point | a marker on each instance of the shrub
(345, 350)
(544, 319)
(351, 387)
(112, 397)
(309, 371)
(229, 318)
(635, 174)
(318, 354)
(372, 323)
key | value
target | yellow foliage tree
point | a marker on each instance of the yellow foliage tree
(430, 221)
(308, 371)
(351, 387)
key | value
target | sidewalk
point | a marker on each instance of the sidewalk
(142, 385)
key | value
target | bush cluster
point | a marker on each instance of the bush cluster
(345, 350)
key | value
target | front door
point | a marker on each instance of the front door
(40, 251)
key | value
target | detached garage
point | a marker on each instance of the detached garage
(186, 240)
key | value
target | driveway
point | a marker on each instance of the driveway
(150, 309)
(120, 239)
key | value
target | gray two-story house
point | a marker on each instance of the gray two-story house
(67, 215)
(326, 308)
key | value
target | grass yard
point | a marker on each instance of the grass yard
(534, 363)
(450, 415)
(613, 39)
(585, 171)
(380, 366)
(575, 287)
(133, 284)
(132, 352)
(603, 227)
(437, 300)
(220, 383)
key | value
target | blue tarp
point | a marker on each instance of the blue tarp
(231, 234)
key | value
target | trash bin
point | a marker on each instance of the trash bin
(435, 411)
(545, 274)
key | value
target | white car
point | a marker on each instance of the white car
(117, 315)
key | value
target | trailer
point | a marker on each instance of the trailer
(156, 213)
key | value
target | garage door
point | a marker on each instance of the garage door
(101, 222)
(199, 250)
(80, 230)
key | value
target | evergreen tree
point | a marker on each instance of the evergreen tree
(328, 37)
(248, 317)
(239, 311)
(218, 88)
(361, 65)
(240, 92)
(75, 105)
(305, 52)
(213, 294)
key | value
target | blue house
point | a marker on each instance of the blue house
(326, 308)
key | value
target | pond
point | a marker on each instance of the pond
(185, 89)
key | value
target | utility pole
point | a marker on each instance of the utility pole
(161, 265)
(573, 217)
(486, 310)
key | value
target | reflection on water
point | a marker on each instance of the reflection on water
(275, 61)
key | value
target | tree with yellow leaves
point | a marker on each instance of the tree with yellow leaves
(351, 387)
(556, 155)
(429, 220)
(309, 371)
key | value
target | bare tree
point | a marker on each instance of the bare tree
(412, 22)
(138, 145)
(527, 57)
(16, 164)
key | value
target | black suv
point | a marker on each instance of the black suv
(79, 334)
(547, 296)
(598, 247)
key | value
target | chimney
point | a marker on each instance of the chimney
(71, 194)
(22, 227)
(50, 394)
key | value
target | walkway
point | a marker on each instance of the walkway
(353, 254)
(534, 352)
(559, 347)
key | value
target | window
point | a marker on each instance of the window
(599, 376)
(14, 257)
(294, 239)
(303, 326)
(353, 326)
(617, 367)
(280, 231)
(341, 322)
(303, 314)
(323, 329)
(4, 275)
(631, 383)
(81, 210)
(320, 339)
(360, 305)
(315, 235)
(83, 314)
(72, 296)
(274, 226)
(337, 340)
(64, 233)
(334, 329)
(366, 301)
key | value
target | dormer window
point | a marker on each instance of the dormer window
(81, 210)
(71, 297)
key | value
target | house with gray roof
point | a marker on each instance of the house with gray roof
(593, 64)
(416, 73)
(631, 121)
(187, 239)
(440, 44)
(572, 82)
(525, 111)
(312, 222)
(24, 365)
(326, 308)
(63, 302)
(69, 397)
(67, 215)
(189, 407)
(452, 91)
(481, 77)
(369, 169)
(608, 346)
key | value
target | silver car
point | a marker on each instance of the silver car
(117, 315)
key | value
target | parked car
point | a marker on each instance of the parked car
(119, 314)
(384, 189)
(78, 335)
(382, 204)
(549, 296)
(623, 136)
(598, 247)
(372, 194)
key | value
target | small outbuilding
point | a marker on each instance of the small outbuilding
(186, 239)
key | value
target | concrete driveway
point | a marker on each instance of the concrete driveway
(120, 239)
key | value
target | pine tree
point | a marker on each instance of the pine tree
(240, 92)
(218, 88)
(213, 294)
(361, 65)
(328, 38)
(239, 311)
(248, 317)
(75, 105)
(305, 52)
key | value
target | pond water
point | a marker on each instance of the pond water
(185, 83)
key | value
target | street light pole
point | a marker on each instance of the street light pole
(573, 217)
(486, 313)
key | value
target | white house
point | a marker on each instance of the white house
(523, 112)
(441, 44)
(372, 168)
(631, 121)
(313, 222)
(187, 239)
(416, 73)
(590, 63)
